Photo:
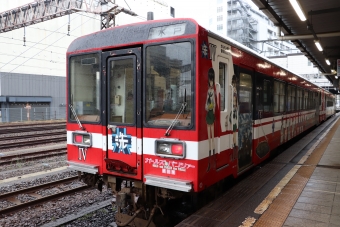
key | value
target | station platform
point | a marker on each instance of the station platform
(298, 188)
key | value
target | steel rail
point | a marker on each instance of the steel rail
(37, 141)
(10, 159)
(11, 196)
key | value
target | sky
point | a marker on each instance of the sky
(47, 42)
(196, 9)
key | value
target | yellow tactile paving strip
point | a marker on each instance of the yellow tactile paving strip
(279, 209)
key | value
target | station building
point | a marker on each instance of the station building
(31, 97)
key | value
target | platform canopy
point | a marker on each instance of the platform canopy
(321, 25)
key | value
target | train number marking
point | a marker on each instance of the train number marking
(82, 153)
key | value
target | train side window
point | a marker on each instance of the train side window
(299, 99)
(222, 81)
(310, 96)
(279, 96)
(319, 100)
(266, 95)
(305, 100)
(245, 99)
(290, 98)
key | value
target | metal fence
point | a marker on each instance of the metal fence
(34, 114)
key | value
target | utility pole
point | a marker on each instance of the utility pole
(108, 16)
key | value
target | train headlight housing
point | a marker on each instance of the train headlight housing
(82, 139)
(170, 148)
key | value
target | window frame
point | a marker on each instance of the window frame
(281, 89)
(134, 58)
(69, 112)
(224, 97)
(193, 83)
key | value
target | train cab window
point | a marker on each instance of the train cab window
(84, 85)
(222, 81)
(279, 97)
(121, 91)
(168, 94)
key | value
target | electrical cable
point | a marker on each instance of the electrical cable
(35, 44)
(31, 66)
(40, 59)
(49, 45)
(53, 32)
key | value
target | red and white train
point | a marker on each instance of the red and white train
(170, 108)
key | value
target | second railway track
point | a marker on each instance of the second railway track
(34, 155)
(13, 201)
(14, 128)
(61, 137)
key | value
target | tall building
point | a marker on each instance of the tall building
(243, 22)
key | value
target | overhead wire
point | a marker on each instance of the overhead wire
(49, 45)
(53, 32)
(33, 45)
(39, 67)
(41, 59)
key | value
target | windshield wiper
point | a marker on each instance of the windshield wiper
(76, 117)
(167, 133)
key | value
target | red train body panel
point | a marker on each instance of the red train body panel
(169, 105)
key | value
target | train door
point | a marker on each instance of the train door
(224, 88)
(245, 133)
(123, 112)
(317, 107)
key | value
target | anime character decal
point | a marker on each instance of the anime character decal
(210, 118)
(233, 120)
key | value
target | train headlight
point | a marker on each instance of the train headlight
(164, 148)
(170, 148)
(82, 139)
(87, 140)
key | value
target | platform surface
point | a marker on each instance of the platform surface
(295, 190)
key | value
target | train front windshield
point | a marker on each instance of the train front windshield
(168, 84)
(85, 87)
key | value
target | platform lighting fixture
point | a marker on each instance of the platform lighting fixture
(298, 9)
(318, 45)
(327, 61)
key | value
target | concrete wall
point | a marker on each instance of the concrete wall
(16, 84)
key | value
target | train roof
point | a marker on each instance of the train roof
(139, 32)
(242, 47)
(127, 34)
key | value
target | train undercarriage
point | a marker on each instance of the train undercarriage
(141, 205)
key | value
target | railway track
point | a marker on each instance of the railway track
(38, 194)
(33, 135)
(36, 141)
(8, 128)
(34, 155)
